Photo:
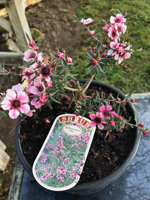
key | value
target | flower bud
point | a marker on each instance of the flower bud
(68, 98)
(69, 60)
(119, 117)
(36, 48)
(112, 123)
(104, 55)
(145, 132)
(133, 100)
(94, 62)
(124, 103)
(92, 32)
(142, 124)
(32, 43)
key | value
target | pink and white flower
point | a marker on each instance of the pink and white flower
(118, 19)
(97, 120)
(30, 55)
(124, 54)
(113, 51)
(38, 87)
(106, 111)
(112, 33)
(27, 73)
(121, 28)
(45, 176)
(34, 66)
(87, 21)
(16, 102)
(45, 73)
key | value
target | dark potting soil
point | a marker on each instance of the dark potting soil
(106, 153)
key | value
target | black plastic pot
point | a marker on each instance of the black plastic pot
(95, 186)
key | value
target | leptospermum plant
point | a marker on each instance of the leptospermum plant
(49, 79)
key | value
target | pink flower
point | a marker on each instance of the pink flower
(59, 176)
(51, 175)
(50, 165)
(30, 55)
(38, 87)
(45, 72)
(72, 176)
(106, 27)
(49, 83)
(113, 51)
(86, 21)
(60, 55)
(118, 19)
(43, 168)
(69, 60)
(106, 111)
(45, 176)
(62, 179)
(30, 113)
(97, 120)
(16, 102)
(27, 73)
(124, 54)
(43, 160)
(38, 102)
(92, 32)
(34, 66)
(112, 33)
(121, 28)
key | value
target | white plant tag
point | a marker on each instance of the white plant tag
(60, 162)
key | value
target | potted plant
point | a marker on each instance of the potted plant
(52, 90)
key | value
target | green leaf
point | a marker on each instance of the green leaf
(54, 99)
(3, 79)
(128, 96)
(39, 41)
(88, 65)
(90, 56)
(2, 114)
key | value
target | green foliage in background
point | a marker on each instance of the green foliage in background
(134, 75)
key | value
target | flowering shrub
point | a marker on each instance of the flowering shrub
(49, 78)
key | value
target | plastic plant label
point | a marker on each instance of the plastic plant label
(60, 162)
